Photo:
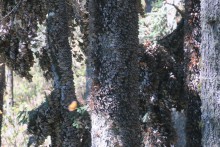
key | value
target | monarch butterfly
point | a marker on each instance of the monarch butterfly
(72, 106)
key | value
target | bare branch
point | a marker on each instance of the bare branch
(13, 10)
(182, 13)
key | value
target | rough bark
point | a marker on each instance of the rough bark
(61, 63)
(53, 117)
(192, 40)
(210, 72)
(113, 61)
(156, 99)
(2, 87)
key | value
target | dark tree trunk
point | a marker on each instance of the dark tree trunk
(2, 87)
(113, 64)
(192, 42)
(161, 87)
(54, 117)
(61, 64)
(210, 72)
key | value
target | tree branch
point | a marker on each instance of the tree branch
(182, 13)
(13, 10)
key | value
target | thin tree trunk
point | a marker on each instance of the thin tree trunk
(2, 87)
(179, 121)
(9, 87)
(113, 63)
(210, 72)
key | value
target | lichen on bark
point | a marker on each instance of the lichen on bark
(113, 36)
(210, 74)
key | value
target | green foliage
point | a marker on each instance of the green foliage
(27, 95)
(154, 25)
(82, 109)
(158, 23)
(22, 117)
(145, 118)
(80, 120)
(157, 4)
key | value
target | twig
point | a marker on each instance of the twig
(13, 10)
(177, 8)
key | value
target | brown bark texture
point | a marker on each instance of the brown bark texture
(192, 40)
(161, 87)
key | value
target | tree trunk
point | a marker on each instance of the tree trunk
(210, 72)
(2, 87)
(192, 40)
(113, 61)
(179, 121)
(61, 65)
(162, 87)
(9, 87)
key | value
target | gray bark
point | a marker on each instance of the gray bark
(179, 121)
(210, 72)
(9, 87)
(113, 61)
